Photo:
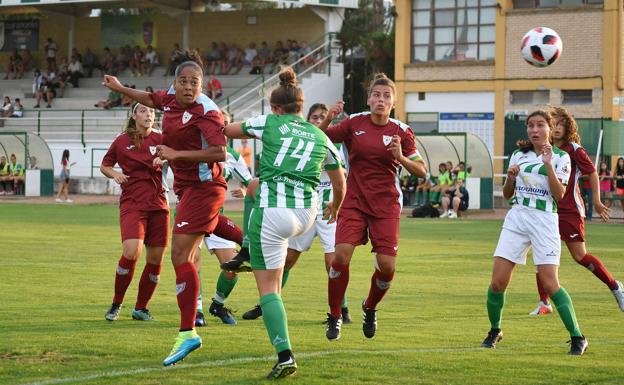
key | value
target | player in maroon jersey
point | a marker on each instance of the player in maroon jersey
(378, 146)
(193, 144)
(143, 208)
(572, 211)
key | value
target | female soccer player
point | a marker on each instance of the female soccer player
(572, 211)
(143, 208)
(321, 228)
(193, 144)
(293, 154)
(378, 146)
(536, 179)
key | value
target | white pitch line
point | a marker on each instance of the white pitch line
(241, 360)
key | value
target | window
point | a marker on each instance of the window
(576, 96)
(423, 121)
(421, 96)
(530, 97)
(453, 30)
(554, 3)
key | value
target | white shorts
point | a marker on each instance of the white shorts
(213, 242)
(269, 230)
(326, 233)
(526, 227)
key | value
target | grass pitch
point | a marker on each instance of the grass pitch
(57, 271)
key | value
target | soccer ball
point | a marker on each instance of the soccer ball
(541, 47)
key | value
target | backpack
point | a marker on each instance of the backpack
(426, 211)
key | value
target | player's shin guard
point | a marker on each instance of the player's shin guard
(564, 306)
(380, 283)
(275, 321)
(337, 286)
(123, 277)
(594, 265)
(147, 285)
(540, 289)
(227, 229)
(495, 305)
(225, 286)
(187, 289)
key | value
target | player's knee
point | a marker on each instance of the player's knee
(498, 285)
(386, 267)
(229, 275)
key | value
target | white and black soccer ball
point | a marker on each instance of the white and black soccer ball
(541, 47)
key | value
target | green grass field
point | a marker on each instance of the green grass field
(57, 271)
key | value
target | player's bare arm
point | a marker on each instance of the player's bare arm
(414, 167)
(601, 209)
(235, 131)
(339, 190)
(510, 182)
(109, 172)
(208, 155)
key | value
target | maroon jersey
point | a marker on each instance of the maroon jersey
(572, 203)
(144, 189)
(373, 183)
(189, 129)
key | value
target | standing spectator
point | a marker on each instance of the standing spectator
(246, 152)
(89, 63)
(606, 184)
(172, 65)
(213, 58)
(214, 89)
(250, 54)
(619, 180)
(16, 66)
(16, 171)
(150, 60)
(7, 107)
(51, 48)
(64, 184)
(457, 199)
(75, 71)
(18, 109)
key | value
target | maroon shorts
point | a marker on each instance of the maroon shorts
(355, 228)
(151, 226)
(198, 208)
(571, 228)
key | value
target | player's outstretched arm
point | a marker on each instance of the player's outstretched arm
(235, 131)
(113, 84)
(601, 209)
(339, 189)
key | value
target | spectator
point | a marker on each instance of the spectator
(16, 171)
(57, 82)
(63, 72)
(18, 109)
(408, 188)
(213, 59)
(245, 151)
(452, 171)
(444, 185)
(150, 61)
(606, 185)
(27, 61)
(214, 89)
(136, 61)
(293, 51)
(460, 171)
(233, 59)
(262, 59)
(126, 101)
(422, 190)
(5, 176)
(108, 62)
(37, 80)
(51, 47)
(77, 54)
(172, 64)
(90, 63)
(458, 198)
(113, 100)
(64, 184)
(16, 66)
(250, 54)
(123, 58)
(305, 50)
(46, 92)
(149, 89)
(33, 165)
(7, 107)
(280, 55)
(75, 71)
(619, 180)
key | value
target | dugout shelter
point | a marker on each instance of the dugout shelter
(25, 145)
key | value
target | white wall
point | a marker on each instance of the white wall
(450, 102)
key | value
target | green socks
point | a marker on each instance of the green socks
(275, 321)
(224, 288)
(495, 304)
(248, 205)
(344, 301)
(285, 277)
(564, 306)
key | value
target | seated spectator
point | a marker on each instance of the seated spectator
(213, 59)
(7, 107)
(126, 101)
(293, 51)
(444, 185)
(16, 66)
(89, 63)
(408, 187)
(304, 50)
(136, 61)
(63, 71)
(18, 109)
(171, 66)
(28, 62)
(5, 176)
(77, 54)
(457, 198)
(33, 164)
(113, 100)
(250, 54)
(149, 89)
(16, 171)
(422, 190)
(57, 82)
(75, 71)
(150, 60)
(460, 171)
(280, 55)
(47, 93)
(122, 60)
(262, 59)
(233, 59)
(108, 62)
(37, 80)
(214, 89)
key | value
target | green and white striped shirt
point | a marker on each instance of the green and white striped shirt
(294, 152)
(532, 188)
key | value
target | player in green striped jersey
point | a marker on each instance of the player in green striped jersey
(293, 154)
(537, 177)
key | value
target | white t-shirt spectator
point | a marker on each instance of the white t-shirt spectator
(151, 57)
(250, 54)
(51, 47)
(75, 67)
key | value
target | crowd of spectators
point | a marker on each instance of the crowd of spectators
(11, 175)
